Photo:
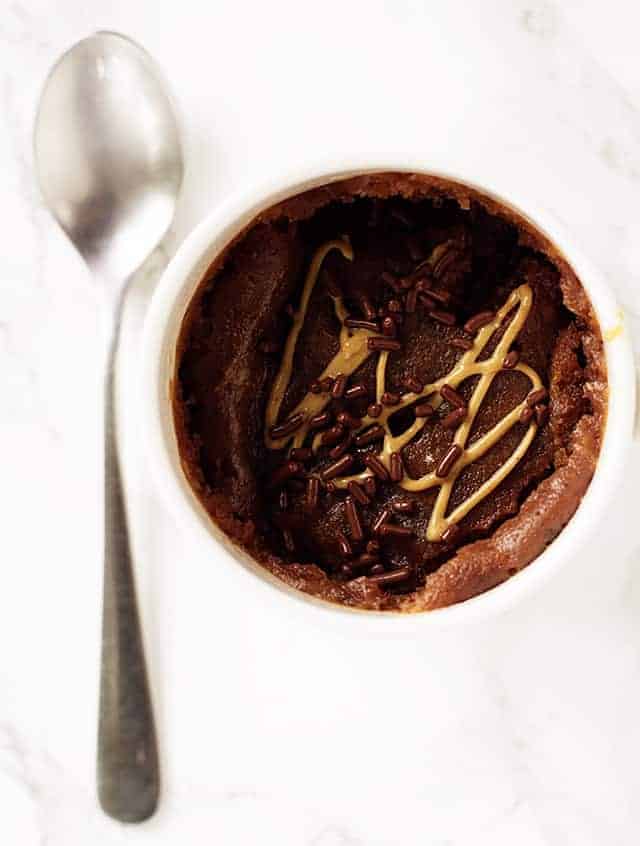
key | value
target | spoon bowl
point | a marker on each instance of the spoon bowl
(107, 152)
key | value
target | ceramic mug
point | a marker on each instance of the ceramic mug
(173, 294)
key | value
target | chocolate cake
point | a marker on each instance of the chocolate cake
(391, 391)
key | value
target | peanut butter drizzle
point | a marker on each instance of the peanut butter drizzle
(353, 353)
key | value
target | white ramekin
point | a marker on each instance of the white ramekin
(171, 298)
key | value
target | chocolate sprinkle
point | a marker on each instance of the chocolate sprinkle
(407, 282)
(454, 418)
(338, 467)
(542, 414)
(442, 297)
(411, 301)
(340, 449)
(355, 391)
(426, 300)
(445, 317)
(367, 308)
(450, 533)
(369, 484)
(288, 541)
(377, 467)
(354, 519)
(395, 529)
(511, 359)
(380, 344)
(358, 493)
(375, 433)
(288, 427)
(396, 467)
(462, 343)
(413, 385)
(331, 436)
(349, 420)
(374, 410)
(354, 323)
(364, 561)
(450, 457)
(319, 421)
(403, 506)
(391, 578)
(313, 491)
(380, 520)
(388, 327)
(344, 546)
(482, 318)
(444, 261)
(526, 414)
(389, 398)
(301, 454)
(452, 396)
(389, 279)
(536, 397)
(339, 386)
(423, 409)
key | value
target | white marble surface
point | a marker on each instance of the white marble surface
(523, 730)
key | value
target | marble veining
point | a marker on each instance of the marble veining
(523, 729)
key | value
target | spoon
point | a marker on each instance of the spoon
(109, 162)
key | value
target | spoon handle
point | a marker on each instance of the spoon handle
(128, 771)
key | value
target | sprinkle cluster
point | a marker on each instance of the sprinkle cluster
(363, 452)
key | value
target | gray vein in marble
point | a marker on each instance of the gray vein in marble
(19, 132)
(529, 789)
(540, 20)
(619, 159)
(21, 765)
(240, 795)
(335, 835)
(18, 28)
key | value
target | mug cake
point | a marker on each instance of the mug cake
(390, 391)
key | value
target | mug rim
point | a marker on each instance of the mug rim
(174, 292)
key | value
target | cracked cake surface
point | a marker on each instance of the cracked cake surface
(390, 391)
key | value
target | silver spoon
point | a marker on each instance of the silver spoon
(109, 163)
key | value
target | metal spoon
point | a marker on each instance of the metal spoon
(109, 163)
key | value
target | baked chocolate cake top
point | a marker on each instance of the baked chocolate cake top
(391, 392)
